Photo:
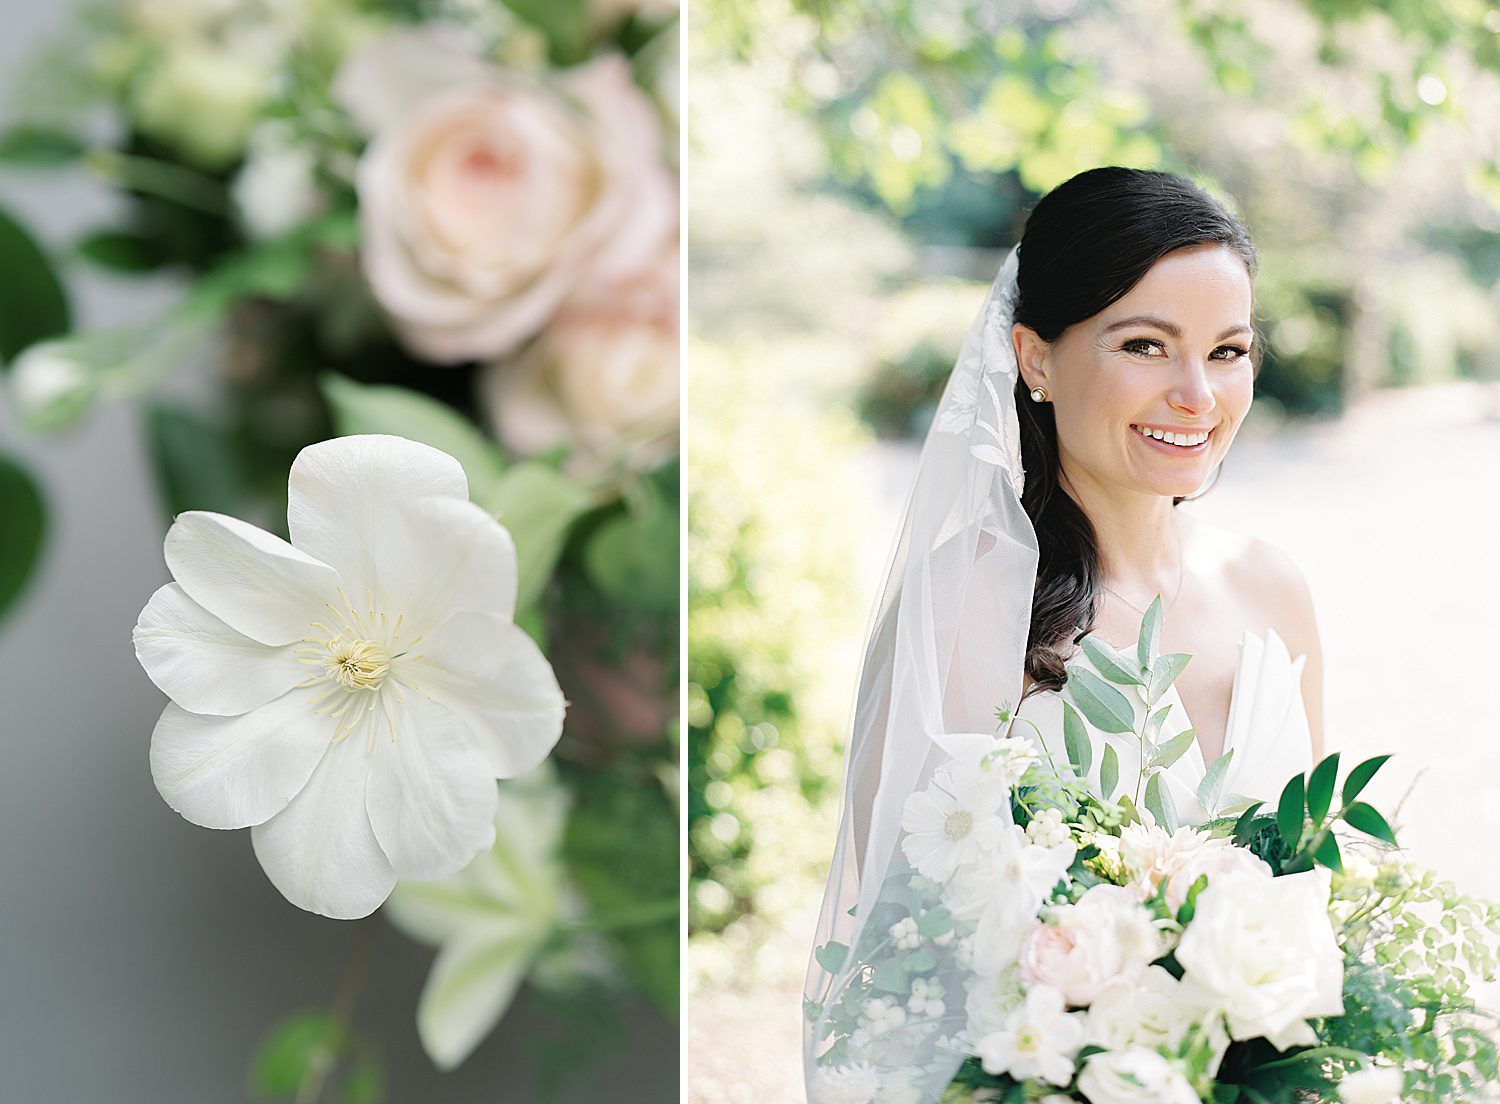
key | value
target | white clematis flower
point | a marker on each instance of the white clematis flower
(489, 920)
(1040, 1039)
(352, 695)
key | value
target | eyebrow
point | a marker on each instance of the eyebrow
(1169, 327)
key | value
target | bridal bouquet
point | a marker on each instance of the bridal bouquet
(1058, 944)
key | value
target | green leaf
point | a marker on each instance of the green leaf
(34, 306)
(538, 505)
(1320, 788)
(198, 466)
(1328, 853)
(1367, 819)
(1080, 747)
(935, 922)
(1289, 810)
(25, 527)
(1360, 777)
(919, 961)
(1174, 749)
(1149, 641)
(34, 146)
(1164, 672)
(1103, 705)
(1154, 723)
(1109, 772)
(374, 408)
(1190, 902)
(632, 557)
(295, 1044)
(120, 251)
(889, 976)
(831, 955)
(1110, 663)
(1159, 801)
(1213, 782)
(1244, 828)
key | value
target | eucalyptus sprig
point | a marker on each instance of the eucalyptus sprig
(1145, 677)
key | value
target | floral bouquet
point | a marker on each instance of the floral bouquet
(1057, 944)
(424, 257)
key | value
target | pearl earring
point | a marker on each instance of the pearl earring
(1038, 394)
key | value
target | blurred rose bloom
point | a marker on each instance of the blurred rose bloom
(488, 197)
(603, 378)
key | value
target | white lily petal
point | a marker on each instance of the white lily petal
(494, 676)
(204, 665)
(320, 851)
(448, 908)
(253, 581)
(340, 495)
(430, 796)
(233, 772)
(471, 985)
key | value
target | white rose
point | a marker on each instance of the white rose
(488, 198)
(1153, 1011)
(1134, 1076)
(1263, 949)
(1106, 937)
(1375, 1085)
(603, 377)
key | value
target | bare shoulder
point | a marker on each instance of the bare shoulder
(1263, 577)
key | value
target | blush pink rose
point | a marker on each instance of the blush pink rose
(488, 197)
(603, 378)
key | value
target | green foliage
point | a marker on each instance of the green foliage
(25, 514)
(198, 462)
(34, 306)
(312, 1046)
(34, 146)
(633, 556)
(772, 611)
(1105, 707)
(620, 869)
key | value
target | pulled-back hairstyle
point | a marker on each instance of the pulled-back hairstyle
(1086, 244)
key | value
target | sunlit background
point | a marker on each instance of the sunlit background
(858, 172)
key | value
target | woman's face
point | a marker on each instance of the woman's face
(1170, 357)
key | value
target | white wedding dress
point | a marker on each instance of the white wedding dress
(1267, 731)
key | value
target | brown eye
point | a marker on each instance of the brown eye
(1235, 352)
(1140, 346)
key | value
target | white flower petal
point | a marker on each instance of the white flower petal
(251, 580)
(438, 555)
(471, 985)
(204, 665)
(430, 795)
(494, 676)
(232, 772)
(340, 494)
(320, 851)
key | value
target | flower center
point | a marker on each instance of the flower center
(1027, 1040)
(356, 664)
(958, 825)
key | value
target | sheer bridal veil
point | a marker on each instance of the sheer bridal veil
(946, 648)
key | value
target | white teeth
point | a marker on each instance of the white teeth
(1183, 440)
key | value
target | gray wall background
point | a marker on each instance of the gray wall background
(142, 958)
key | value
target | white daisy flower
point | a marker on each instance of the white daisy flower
(952, 822)
(352, 695)
(1040, 1040)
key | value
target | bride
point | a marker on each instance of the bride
(1101, 386)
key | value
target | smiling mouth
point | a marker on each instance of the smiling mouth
(1182, 442)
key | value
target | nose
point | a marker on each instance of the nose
(1192, 393)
